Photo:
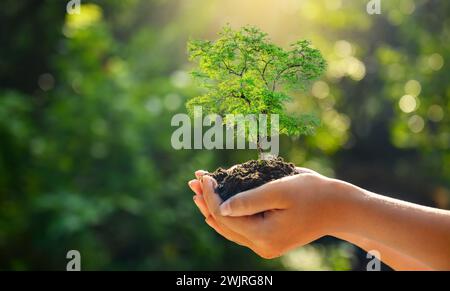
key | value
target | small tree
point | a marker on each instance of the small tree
(244, 73)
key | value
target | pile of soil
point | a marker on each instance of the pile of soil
(250, 175)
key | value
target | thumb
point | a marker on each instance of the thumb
(263, 198)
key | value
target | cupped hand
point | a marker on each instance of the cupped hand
(273, 218)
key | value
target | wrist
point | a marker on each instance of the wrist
(342, 205)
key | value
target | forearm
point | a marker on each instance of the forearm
(391, 257)
(418, 232)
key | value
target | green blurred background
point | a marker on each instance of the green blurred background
(85, 108)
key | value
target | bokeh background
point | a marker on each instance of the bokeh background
(86, 102)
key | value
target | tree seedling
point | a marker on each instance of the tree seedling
(244, 73)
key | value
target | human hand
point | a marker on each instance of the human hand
(274, 217)
(295, 210)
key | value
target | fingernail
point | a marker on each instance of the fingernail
(225, 209)
(195, 197)
(206, 180)
(190, 184)
(200, 173)
(211, 181)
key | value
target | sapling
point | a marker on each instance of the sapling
(244, 73)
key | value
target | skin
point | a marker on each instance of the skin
(294, 211)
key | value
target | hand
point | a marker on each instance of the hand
(272, 218)
(293, 211)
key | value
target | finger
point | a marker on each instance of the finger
(212, 200)
(195, 186)
(305, 171)
(200, 202)
(266, 197)
(200, 173)
(198, 198)
(245, 226)
(227, 233)
(221, 229)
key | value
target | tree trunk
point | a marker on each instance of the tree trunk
(258, 147)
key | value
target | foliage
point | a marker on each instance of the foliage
(244, 73)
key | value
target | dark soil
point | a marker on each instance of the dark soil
(250, 175)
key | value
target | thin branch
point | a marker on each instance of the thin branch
(241, 96)
(285, 69)
(263, 73)
(230, 70)
(282, 72)
(244, 69)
